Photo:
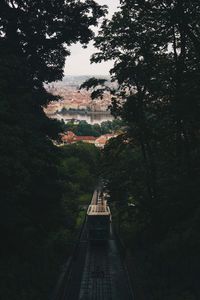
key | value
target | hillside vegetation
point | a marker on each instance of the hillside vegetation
(39, 198)
(155, 165)
(151, 170)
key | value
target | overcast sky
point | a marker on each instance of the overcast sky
(78, 63)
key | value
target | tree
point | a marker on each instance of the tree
(37, 34)
(155, 45)
(34, 36)
(154, 78)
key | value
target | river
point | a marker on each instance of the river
(92, 118)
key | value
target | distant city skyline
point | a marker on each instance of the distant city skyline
(78, 63)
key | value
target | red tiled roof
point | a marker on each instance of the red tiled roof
(69, 136)
(101, 140)
(70, 133)
(66, 138)
(85, 138)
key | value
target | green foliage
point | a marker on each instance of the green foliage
(83, 128)
(79, 168)
(92, 83)
(97, 86)
(36, 238)
(37, 32)
(155, 45)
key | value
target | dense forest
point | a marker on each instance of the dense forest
(40, 185)
(151, 170)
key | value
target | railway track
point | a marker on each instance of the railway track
(96, 281)
(96, 271)
(104, 275)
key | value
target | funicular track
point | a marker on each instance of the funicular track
(96, 271)
(96, 281)
(105, 276)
